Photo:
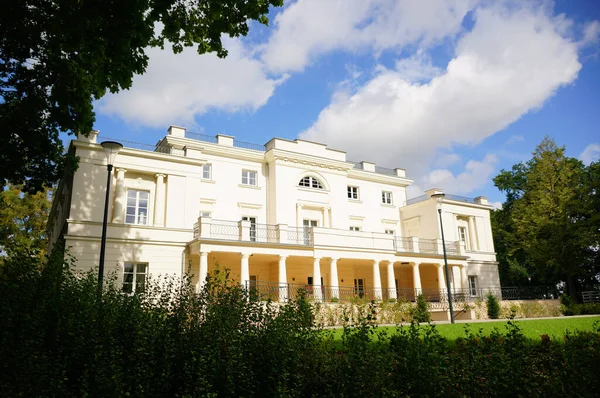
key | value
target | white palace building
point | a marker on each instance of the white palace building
(283, 216)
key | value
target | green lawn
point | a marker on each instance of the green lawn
(532, 329)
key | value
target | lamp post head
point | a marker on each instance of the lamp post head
(438, 197)
(111, 149)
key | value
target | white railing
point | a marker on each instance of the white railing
(245, 231)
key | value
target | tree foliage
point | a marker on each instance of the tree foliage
(548, 229)
(57, 56)
(23, 219)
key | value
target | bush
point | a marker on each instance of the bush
(420, 312)
(493, 307)
(569, 308)
(58, 339)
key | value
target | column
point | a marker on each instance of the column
(283, 286)
(317, 292)
(244, 271)
(376, 281)
(203, 271)
(333, 271)
(159, 201)
(416, 280)
(120, 197)
(464, 278)
(472, 234)
(441, 278)
(393, 293)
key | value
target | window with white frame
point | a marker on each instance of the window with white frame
(354, 228)
(390, 232)
(462, 235)
(137, 207)
(310, 182)
(473, 285)
(352, 192)
(207, 171)
(386, 197)
(134, 277)
(248, 177)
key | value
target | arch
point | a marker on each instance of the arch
(314, 180)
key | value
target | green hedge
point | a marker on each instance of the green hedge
(58, 339)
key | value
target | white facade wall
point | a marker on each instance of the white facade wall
(178, 194)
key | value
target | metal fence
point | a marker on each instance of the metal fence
(221, 229)
(264, 233)
(248, 145)
(404, 244)
(453, 248)
(437, 299)
(201, 137)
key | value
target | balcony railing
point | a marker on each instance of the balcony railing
(437, 299)
(246, 231)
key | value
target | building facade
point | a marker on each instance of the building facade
(283, 216)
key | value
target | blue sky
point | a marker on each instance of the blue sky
(453, 91)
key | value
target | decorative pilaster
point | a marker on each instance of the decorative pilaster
(326, 217)
(473, 234)
(159, 201)
(464, 278)
(120, 197)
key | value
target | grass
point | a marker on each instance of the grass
(532, 329)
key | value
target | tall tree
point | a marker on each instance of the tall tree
(23, 219)
(546, 227)
(57, 56)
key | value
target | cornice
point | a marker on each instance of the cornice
(280, 156)
(219, 150)
(382, 178)
(143, 154)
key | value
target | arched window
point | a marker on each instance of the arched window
(310, 182)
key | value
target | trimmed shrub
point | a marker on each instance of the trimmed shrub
(493, 307)
(420, 312)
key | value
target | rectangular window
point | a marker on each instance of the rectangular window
(390, 232)
(207, 171)
(359, 287)
(354, 228)
(248, 177)
(462, 236)
(386, 197)
(205, 214)
(134, 277)
(352, 192)
(473, 285)
(137, 207)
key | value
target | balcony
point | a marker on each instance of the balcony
(245, 231)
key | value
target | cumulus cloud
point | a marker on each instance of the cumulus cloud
(178, 87)
(509, 64)
(590, 154)
(476, 174)
(309, 28)
(591, 33)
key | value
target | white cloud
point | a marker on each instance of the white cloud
(496, 205)
(590, 154)
(513, 139)
(446, 160)
(308, 28)
(591, 33)
(511, 62)
(178, 87)
(475, 175)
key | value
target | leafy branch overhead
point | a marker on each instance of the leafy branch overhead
(57, 56)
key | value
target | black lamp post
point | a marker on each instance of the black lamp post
(439, 197)
(111, 149)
